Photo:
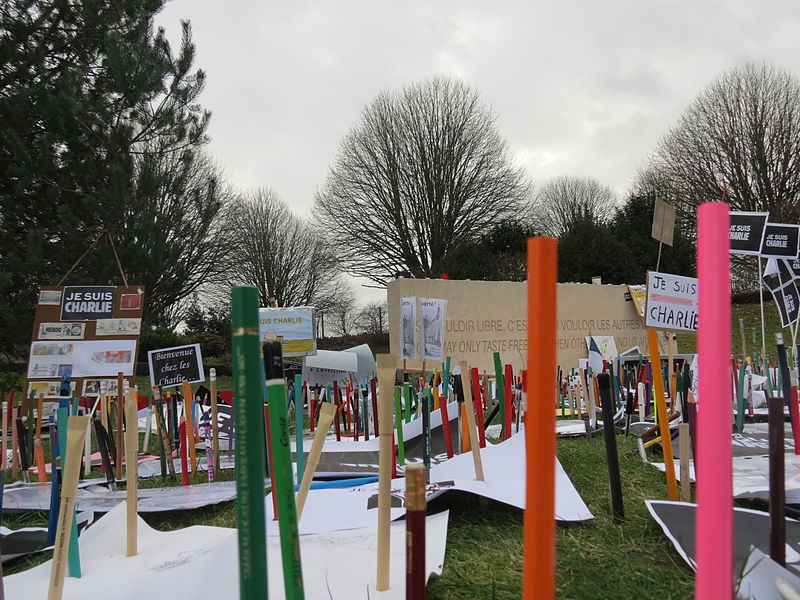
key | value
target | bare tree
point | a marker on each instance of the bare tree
(423, 170)
(280, 254)
(374, 317)
(742, 131)
(564, 201)
(342, 311)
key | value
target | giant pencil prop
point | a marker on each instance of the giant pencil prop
(661, 413)
(249, 419)
(76, 431)
(327, 413)
(539, 524)
(387, 365)
(282, 479)
(714, 515)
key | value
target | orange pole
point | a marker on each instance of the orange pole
(539, 524)
(661, 408)
(187, 412)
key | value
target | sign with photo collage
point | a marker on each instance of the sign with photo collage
(83, 336)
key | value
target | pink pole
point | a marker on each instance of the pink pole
(714, 517)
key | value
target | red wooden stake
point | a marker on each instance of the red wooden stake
(508, 380)
(184, 453)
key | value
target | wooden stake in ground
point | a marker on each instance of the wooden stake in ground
(327, 412)
(683, 438)
(6, 412)
(212, 375)
(119, 418)
(473, 433)
(539, 525)
(187, 413)
(76, 430)
(38, 450)
(661, 411)
(131, 470)
(415, 532)
(387, 364)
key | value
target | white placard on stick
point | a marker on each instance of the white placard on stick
(671, 302)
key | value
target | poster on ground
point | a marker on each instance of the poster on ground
(293, 326)
(671, 302)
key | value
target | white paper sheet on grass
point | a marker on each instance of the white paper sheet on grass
(94, 497)
(202, 562)
(504, 471)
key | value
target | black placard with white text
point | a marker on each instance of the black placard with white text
(87, 303)
(780, 241)
(747, 231)
(170, 366)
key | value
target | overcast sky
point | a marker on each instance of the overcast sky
(580, 88)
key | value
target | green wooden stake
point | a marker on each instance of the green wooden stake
(501, 391)
(398, 423)
(282, 481)
(73, 554)
(740, 399)
(407, 391)
(249, 423)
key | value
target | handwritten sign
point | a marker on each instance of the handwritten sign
(170, 366)
(671, 302)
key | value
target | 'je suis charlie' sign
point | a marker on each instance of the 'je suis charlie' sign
(671, 302)
(88, 303)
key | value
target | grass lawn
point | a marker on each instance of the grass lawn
(597, 559)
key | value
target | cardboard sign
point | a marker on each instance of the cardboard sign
(432, 313)
(74, 334)
(747, 231)
(780, 281)
(170, 366)
(408, 328)
(638, 297)
(293, 326)
(780, 241)
(663, 222)
(88, 303)
(671, 302)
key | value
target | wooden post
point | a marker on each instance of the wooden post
(187, 413)
(131, 469)
(327, 413)
(473, 434)
(212, 374)
(76, 429)
(683, 437)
